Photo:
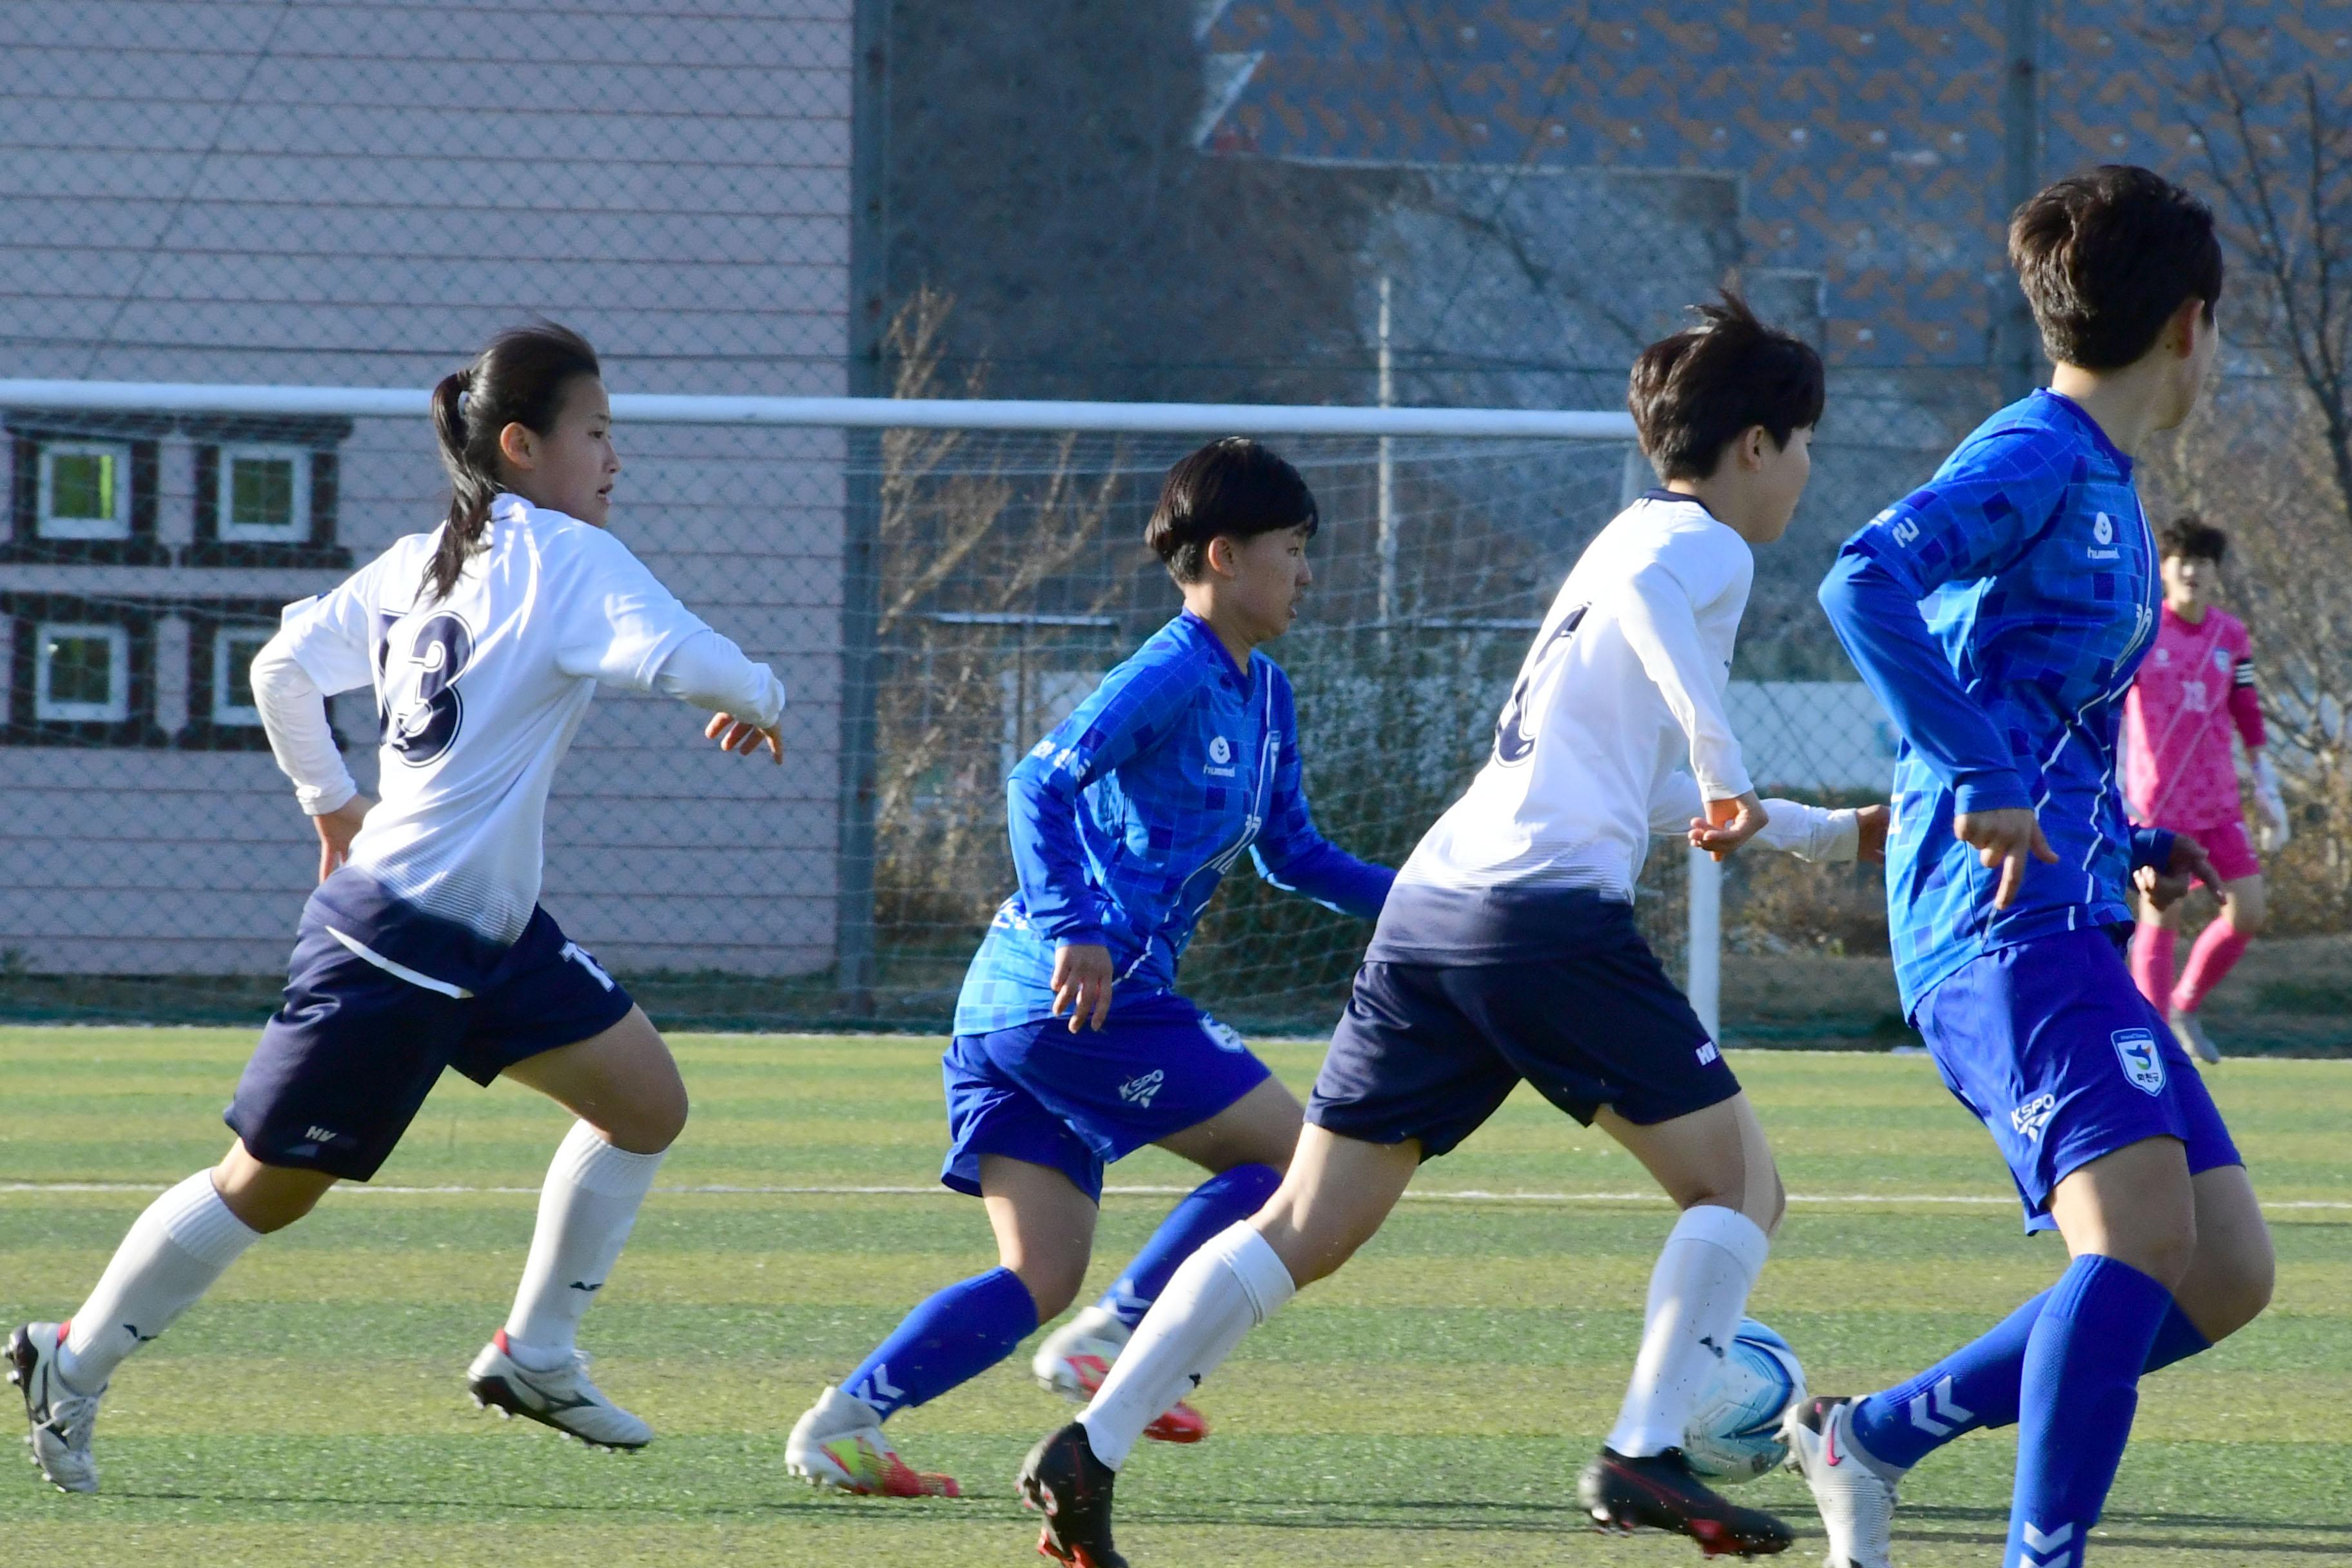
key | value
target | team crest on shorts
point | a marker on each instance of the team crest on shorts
(1227, 1036)
(2136, 1049)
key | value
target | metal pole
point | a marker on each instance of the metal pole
(1703, 961)
(2017, 344)
(861, 578)
(1388, 539)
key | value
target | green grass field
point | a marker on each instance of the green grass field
(1430, 1404)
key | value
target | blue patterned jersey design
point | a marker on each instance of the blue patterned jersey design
(1999, 612)
(1126, 817)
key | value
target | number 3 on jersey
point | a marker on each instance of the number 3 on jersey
(423, 710)
(1514, 737)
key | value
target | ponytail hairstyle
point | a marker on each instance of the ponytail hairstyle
(521, 379)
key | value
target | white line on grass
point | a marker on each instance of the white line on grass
(1464, 1195)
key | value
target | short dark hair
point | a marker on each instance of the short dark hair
(2106, 257)
(1691, 395)
(2192, 537)
(1234, 489)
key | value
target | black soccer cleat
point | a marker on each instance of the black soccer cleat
(1658, 1491)
(1062, 1480)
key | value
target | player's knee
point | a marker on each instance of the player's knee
(647, 1125)
(2247, 919)
(1053, 1283)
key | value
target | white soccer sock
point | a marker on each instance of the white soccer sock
(1234, 1282)
(171, 1257)
(1697, 1292)
(585, 1212)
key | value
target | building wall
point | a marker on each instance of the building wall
(359, 194)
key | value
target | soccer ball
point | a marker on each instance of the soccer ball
(1735, 1430)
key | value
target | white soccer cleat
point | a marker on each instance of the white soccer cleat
(1855, 1498)
(62, 1419)
(838, 1443)
(1077, 1356)
(1057, 1364)
(564, 1398)
(2192, 1037)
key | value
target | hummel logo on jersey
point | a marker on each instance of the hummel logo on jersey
(2031, 1117)
(1140, 1090)
(1220, 749)
(2103, 529)
(1709, 1056)
(2135, 1049)
(1937, 1413)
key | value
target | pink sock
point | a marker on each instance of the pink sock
(2219, 947)
(2151, 962)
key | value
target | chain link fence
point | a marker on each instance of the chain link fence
(224, 191)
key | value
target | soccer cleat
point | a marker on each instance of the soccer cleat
(564, 1398)
(1855, 1498)
(2192, 1036)
(1062, 1480)
(1657, 1491)
(1077, 1357)
(62, 1419)
(838, 1443)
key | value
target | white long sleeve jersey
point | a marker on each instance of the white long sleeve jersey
(480, 694)
(1622, 689)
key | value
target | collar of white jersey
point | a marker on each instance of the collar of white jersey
(1680, 498)
(508, 506)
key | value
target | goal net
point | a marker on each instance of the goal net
(935, 598)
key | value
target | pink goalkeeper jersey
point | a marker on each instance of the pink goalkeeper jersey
(2176, 770)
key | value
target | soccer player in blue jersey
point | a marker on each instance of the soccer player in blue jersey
(1073, 1047)
(1999, 612)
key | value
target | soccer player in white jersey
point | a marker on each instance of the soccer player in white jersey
(1507, 951)
(423, 945)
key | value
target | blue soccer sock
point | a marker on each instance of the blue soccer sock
(1221, 1201)
(1978, 1385)
(951, 1338)
(2081, 1388)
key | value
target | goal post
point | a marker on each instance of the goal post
(1007, 578)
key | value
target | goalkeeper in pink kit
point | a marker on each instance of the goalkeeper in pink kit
(2197, 685)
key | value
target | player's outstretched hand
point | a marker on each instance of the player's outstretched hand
(1082, 981)
(1873, 821)
(735, 734)
(2006, 838)
(337, 828)
(2190, 865)
(1729, 823)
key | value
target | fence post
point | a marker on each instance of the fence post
(861, 568)
(1704, 950)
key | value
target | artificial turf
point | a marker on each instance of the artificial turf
(1429, 1405)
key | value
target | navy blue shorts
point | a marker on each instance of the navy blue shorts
(354, 1050)
(1429, 1051)
(1076, 1103)
(2051, 1047)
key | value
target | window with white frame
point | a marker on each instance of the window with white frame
(231, 688)
(82, 673)
(264, 495)
(85, 490)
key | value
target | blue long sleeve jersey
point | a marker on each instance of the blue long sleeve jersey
(1999, 612)
(1126, 816)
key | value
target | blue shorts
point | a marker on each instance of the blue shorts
(354, 1050)
(1076, 1103)
(2052, 1047)
(1429, 1051)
